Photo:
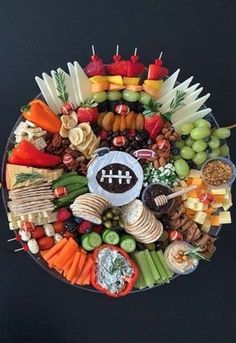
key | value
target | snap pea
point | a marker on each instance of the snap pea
(65, 175)
(78, 179)
(67, 200)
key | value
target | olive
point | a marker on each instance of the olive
(121, 223)
(116, 217)
(108, 224)
(109, 214)
(114, 223)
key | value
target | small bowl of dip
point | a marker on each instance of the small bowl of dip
(151, 192)
(176, 259)
(218, 172)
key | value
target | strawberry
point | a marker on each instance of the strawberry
(134, 68)
(157, 71)
(117, 68)
(95, 67)
(88, 112)
(63, 214)
(153, 122)
(85, 227)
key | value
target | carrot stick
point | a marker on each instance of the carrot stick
(58, 246)
(73, 267)
(87, 280)
(80, 265)
(66, 252)
(51, 260)
(43, 253)
(67, 265)
(86, 270)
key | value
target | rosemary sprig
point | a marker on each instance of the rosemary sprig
(117, 264)
(152, 107)
(33, 177)
(61, 87)
(175, 103)
(195, 253)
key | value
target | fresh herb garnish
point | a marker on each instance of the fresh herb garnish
(152, 107)
(118, 264)
(195, 253)
(61, 87)
(33, 177)
(175, 103)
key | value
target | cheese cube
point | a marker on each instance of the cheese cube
(194, 173)
(214, 220)
(227, 204)
(218, 191)
(197, 181)
(206, 225)
(200, 217)
(217, 205)
(194, 204)
(225, 217)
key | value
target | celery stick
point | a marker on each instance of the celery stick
(140, 283)
(144, 267)
(160, 255)
(152, 266)
(159, 266)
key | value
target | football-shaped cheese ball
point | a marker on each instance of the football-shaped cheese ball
(117, 176)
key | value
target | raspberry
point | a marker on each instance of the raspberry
(85, 227)
(63, 214)
(97, 228)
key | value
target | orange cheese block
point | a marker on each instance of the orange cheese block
(193, 194)
(197, 182)
(214, 220)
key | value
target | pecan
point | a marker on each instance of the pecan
(57, 140)
(168, 134)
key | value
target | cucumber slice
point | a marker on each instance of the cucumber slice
(152, 266)
(128, 243)
(111, 237)
(85, 243)
(104, 233)
(94, 239)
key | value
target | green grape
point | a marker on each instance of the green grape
(214, 142)
(222, 133)
(200, 157)
(114, 95)
(144, 98)
(199, 146)
(224, 150)
(202, 123)
(189, 141)
(100, 96)
(130, 96)
(177, 157)
(180, 144)
(214, 153)
(186, 128)
(181, 168)
(200, 133)
(187, 153)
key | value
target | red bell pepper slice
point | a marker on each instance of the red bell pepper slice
(130, 281)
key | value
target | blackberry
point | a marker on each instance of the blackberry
(138, 107)
(96, 128)
(70, 225)
(175, 151)
(103, 106)
(207, 139)
(184, 137)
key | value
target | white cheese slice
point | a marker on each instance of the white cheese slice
(83, 82)
(191, 97)
(191, 118)
(55, 91)
(69, 86)
(74, 83)
(169, 83)
(194, 173)
(189, 109)
(167, 98)
(46, 94)
(191, 89)
(225, 217)
(218, 191)
(51, 87)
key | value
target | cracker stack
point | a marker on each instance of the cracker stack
(90, 207)
(31, 199)
(141, 222)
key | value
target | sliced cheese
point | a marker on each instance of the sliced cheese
(191, 97)
(189, 109)
(74, 83)
(218, 191)
(227, 204)
(169, 83)
(194, 204)
(69, 86)
(225, 217)
(83, 83)
(46, 94)
(51, 88)
(191, 118)
(191, 89)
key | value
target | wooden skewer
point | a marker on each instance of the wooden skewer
(135, 51)
(161, 200)
(160, 56)
(93, 50)
(231, 126)
(117, 50)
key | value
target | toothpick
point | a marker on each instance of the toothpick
(117, 50)
(93, 50)
(11, 239)
(160, 56)
(135, 51)
(20, 249)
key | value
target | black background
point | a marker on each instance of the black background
(198, 37)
